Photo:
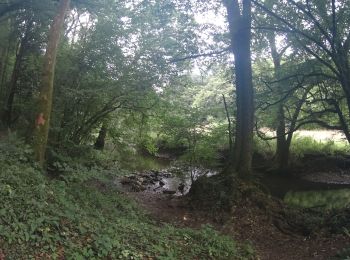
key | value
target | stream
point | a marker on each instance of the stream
(170, 177)
(306, 193)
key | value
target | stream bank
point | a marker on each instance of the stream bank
(161, 197)
(307, 190)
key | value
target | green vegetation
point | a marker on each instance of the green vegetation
(302, 146)
(323, 199)
(100, 96)
(80, 214)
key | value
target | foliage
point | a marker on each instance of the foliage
(85, 216)
(308, 145)
(332, 199)
(266, 148)
(191, 115)
(344, 253)
(303, 145)
(153, 74)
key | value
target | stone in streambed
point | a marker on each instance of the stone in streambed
(181, 188)
(170, 192)
(126, 181)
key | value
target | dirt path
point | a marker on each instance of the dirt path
(245, 226)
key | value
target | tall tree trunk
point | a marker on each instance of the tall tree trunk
(344, 79)
(229, 127)
(42, 122)
(343, 123)
(240, 36)
(2, 65)
(282, 147)
(5, 55)
(284, 150)
(4, 70)
(7, 113)
(101, 139)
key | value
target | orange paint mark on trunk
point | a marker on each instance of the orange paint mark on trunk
(2, 255)
(40, 120)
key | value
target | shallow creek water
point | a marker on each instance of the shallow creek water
(306, 193)
(168, 177)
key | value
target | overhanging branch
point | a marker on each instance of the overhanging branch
(199, 55)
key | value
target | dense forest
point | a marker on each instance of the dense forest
(171, 129)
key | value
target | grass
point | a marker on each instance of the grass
(308, 145)
(82, 215)
(302, 145)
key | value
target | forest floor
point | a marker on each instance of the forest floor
(247, 226)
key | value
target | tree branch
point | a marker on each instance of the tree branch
(195, 56)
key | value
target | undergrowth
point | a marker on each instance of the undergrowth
(308, 145)
(80, 214)
(344, 254)
(301, 146)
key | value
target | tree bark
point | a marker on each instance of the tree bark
(4, 69)
(101, 139)
(42, 122)
(240, 36)
(2, 66)
(229, 127)
(7, 113)
(282, 145)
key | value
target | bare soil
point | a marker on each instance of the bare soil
(246, 225)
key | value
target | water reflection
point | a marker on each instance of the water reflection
(144, 163)
(295, 192)
(327, 199)
(184, 176)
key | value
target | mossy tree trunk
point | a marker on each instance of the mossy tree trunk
(42, 121)
(282, 143)
(7, 113)
(101, 139)
(240, 35)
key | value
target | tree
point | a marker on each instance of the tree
(42, 122)
(295, 98)
(24, 46)
(101, 139)
(326, 39)
(240, 36)
(116, 64)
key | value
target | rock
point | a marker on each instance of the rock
(171, 192)
(155, 179)
(138, 188)
(154, 172)
(157, 188)
(161, 183)
(125, 181)
(181, 188)
(146, 182)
